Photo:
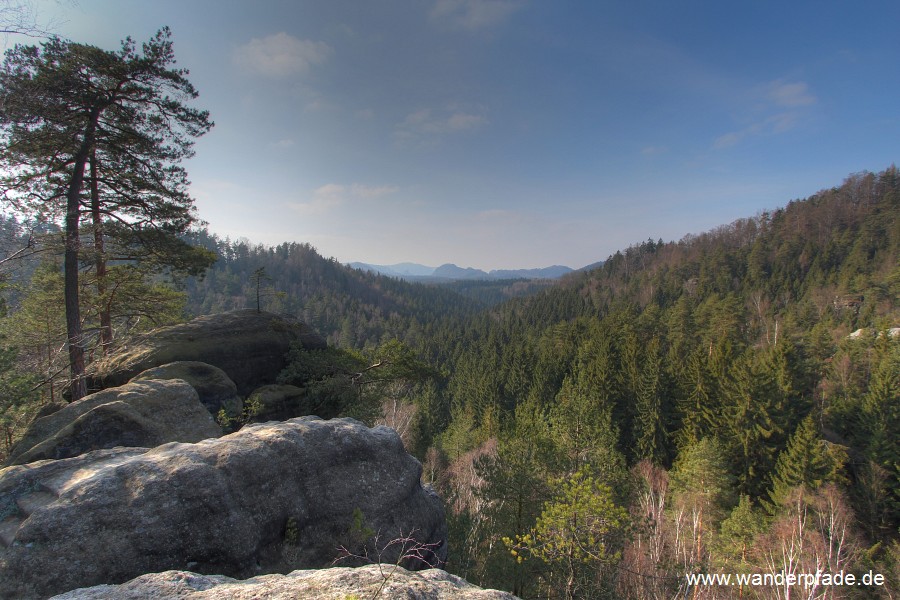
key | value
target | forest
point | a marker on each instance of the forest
(725, 403)
(699, 406)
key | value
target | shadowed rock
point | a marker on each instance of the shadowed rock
(278, 403)
(365, 582)
(250, 346)
(217, 392)
(140, 414)
(221, 506)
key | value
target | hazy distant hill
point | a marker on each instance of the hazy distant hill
(451, 272)
(402, 270)
(554, 272)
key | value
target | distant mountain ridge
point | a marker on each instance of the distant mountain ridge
(449, 271)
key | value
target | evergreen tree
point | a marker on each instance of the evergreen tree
(752, 430)
(65, 103)
(806, 462)
(516, 484)
(738, 533)
(651, 431)
(583, 431)
(18, 392)
(39, 328)
(579, 534)
(881, 421)
(431, 418)
(702, 489)
(699, 407)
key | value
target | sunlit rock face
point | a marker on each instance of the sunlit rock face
(381, 581)
(221, 506)
(140, 414)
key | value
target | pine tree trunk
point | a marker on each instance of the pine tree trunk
(73, 310)
(106, 336)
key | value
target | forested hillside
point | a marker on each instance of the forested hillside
(698, 385)
(350, 307)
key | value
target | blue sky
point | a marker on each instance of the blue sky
(516, 133)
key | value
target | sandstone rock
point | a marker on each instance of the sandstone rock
(50, 408)
(216, 391)
(343, 582)
(219, 506)
(250, 347)
(140, 414)
(278, 403)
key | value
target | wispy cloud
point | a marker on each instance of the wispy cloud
(283, 144)
(329, 196)
(775, 124)
(790, 94)
(431, 123)
(780, 110)
(730, 139)
(472, 15)
(280, 55)
(653, 150)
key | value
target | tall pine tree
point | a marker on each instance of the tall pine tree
(73, 115)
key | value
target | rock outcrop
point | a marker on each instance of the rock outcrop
(278, 402)
(364, 582)
(217, 392)
(249, 346)
(140, 414)
(223, 506)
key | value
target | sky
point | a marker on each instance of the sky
(515, 133)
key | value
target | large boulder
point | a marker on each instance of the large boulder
(141, 414)
(217, 392)
(273, 496)
(381, 581)
(250, 346)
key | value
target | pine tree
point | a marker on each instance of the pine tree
(739, 531)
(701, 488)
(580, 534)
(752, 431)
(516, 484)
(881, 421)
(39, 328)
(583, 430)
(65, 107)
(651, 420)
(806, 462)
(18, 392)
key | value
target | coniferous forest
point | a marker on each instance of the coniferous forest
(726, 403)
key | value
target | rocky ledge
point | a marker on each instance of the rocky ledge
(139, 414)
(249, 346)
(372, 581)
(270, 498)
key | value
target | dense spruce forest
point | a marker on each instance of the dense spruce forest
(726, 403)
(735, 392)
